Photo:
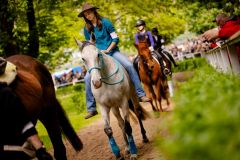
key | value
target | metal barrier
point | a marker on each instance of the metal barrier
(226, 58)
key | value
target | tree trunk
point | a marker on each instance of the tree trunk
(7, 40)
(33, 49)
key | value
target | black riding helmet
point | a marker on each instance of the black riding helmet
(140, 23)
(154, 30)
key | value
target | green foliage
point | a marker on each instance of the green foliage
(190, 64)
(205, 122)
(200, 14)
(72, 98)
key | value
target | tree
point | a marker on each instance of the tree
(8, 45)
(33, 49)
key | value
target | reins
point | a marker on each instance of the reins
(102, 64)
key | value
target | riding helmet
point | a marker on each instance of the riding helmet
(140, 23)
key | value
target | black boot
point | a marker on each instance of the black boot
(160, 60)
(170, 57)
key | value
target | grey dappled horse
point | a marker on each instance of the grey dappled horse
(113, 90)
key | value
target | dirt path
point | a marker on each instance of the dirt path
(96, 142)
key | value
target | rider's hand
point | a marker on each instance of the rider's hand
(105, 51)
(151, 48)
(42, 154)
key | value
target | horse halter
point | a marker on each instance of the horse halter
(102, 64)
(100, 56)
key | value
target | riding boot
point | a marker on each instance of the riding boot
(170, 57)
(160, 60)
(135, 64)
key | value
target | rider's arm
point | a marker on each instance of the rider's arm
(136, 39)
(112, 32)
(151, 40)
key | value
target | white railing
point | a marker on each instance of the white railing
(68, 83)
(226, 58)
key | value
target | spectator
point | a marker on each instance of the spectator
(227, 26)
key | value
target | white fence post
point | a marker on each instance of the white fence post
(226, 58)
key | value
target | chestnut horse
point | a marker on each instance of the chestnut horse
(35, 88)
(155, 85)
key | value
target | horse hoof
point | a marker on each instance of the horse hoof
(133, 157)
(120, 158)
(145, 140)
(126, 152)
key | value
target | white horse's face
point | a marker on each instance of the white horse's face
(89, 56)
(91, 59)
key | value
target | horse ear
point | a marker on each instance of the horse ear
(79, 43)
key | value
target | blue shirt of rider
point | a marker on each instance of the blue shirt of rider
(105, 36)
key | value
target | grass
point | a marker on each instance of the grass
(73, 100)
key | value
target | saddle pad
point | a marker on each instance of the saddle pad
(9, 74)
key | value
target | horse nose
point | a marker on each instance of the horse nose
(152, 66)
(96, 83)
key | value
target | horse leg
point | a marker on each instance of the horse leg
(128, 131)
(140, 115)
(154, 98)
(108, 130)
(52, 125)
(150, 95)
(117, 114)
(157, 91)
(165, 91)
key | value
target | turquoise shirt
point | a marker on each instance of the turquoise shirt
(105, 36)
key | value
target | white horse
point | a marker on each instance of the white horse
(113, 90)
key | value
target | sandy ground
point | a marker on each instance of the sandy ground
(96, 145)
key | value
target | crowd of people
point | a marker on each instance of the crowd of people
(227, 26)
(70, 77)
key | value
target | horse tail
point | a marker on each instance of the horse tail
(67, 128)
(64, 122)
(139, 111)
(144, 114)
(133, 117)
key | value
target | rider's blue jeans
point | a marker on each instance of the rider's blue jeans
(91, 103)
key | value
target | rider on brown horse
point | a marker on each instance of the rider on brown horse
(141, 35)
(18, 136)
(158, 46)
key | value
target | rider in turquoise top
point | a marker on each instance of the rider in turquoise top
(104, 36)
(102, 32)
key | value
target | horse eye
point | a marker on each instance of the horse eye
(83, 60)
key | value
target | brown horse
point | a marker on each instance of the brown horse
(155, 85)
(35, 88)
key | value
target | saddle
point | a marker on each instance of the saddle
(8, 71)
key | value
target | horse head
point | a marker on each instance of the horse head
(145, 53)
(91, 57)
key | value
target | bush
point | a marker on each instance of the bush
(205, 122)
(190, 64)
